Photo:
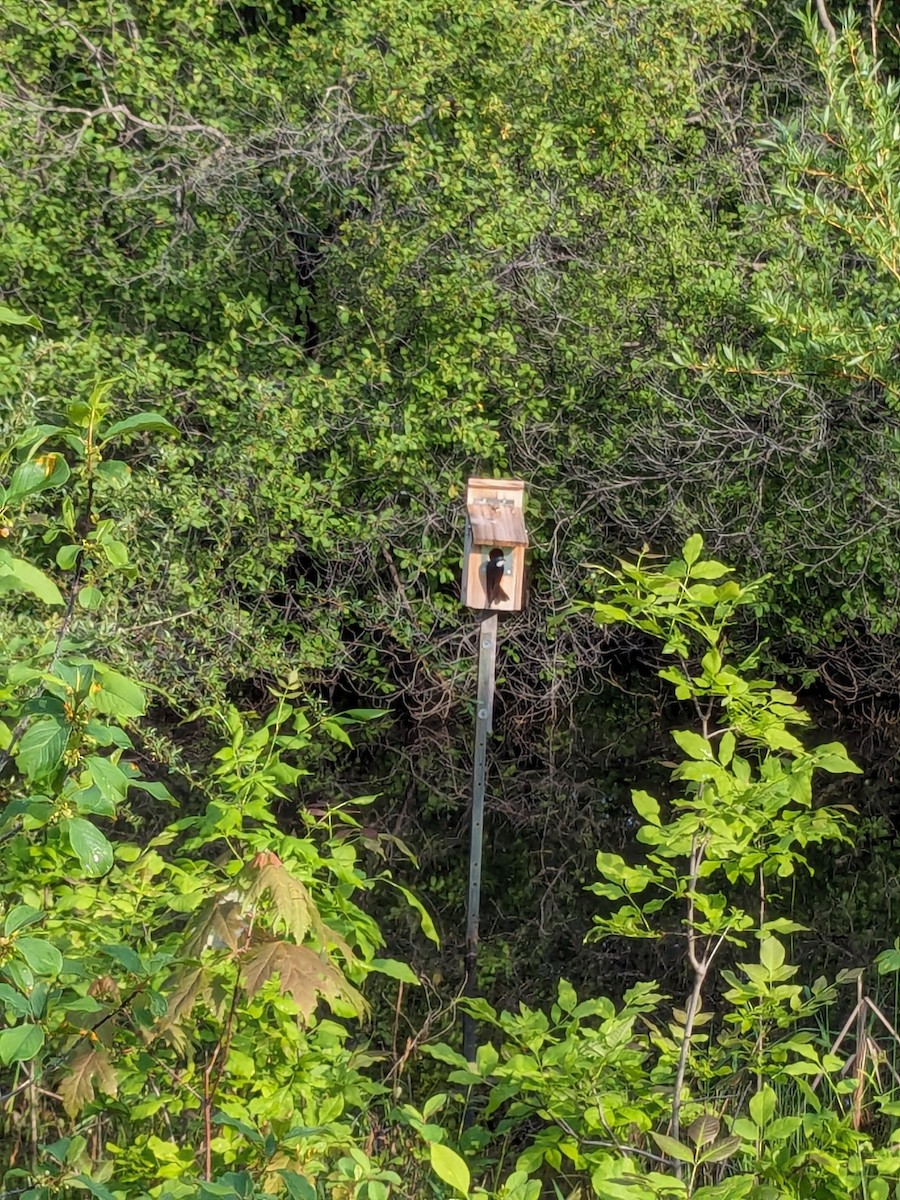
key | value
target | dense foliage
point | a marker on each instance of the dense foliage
(274, 278)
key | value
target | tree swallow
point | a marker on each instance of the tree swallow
(494, 571)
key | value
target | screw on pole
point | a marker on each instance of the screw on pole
(484, 710)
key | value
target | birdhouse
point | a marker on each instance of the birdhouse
(493, 577)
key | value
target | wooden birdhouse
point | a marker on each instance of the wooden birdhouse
(493, 577)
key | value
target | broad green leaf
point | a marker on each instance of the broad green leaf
(126, 957)
(445, 1054)
(9, 316)
(20, 1005)
(703, 1129)
(41, 956)
(646, 807)
(692, 549)
(784, 1127)
(21, 916)
(18, 575)
(833, 757)
(67, 556)
(90, 598)
(21, 1043)
(709, 569)
(670, 1146)
(394, 969)
(116, 553)
(92, 801)
(42, 746)
(119, 697)
(721, 1150)
(726, 748)
(694, 745)
(139, 423)
(95, 1188)
(90, 846)
(36, 475)
(762, 1105)
(771, 953)
(298, 1186)
(109, 778)
(784, 925)
(611, 866)
(566, 996)
(115, 473)
(450, 1167)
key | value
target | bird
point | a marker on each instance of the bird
(494, 570)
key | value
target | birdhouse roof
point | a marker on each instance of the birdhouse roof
(495, 523)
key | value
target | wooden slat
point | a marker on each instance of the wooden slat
(497, 525)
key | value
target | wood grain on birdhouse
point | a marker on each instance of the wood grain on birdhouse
(493, 577)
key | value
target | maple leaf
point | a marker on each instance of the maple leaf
(290, 897)
(219, 925)
(301, 973)
(292, 901)
(88, 1067)
(190, 986)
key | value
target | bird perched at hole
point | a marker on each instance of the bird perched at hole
(494, 570)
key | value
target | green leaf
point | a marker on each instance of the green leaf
(726, 748)
(784, 1127)
(67, 556)
(114, 472)
(42, 746)
(36, 475)
(445, 1054)
(125, 956)
(771, 953)
(19, 917)
(395, 970)
(762, 1105)
(116, 553)
(691, 552)
(669, 1145)
(298, 1186)
(709, 569)
(21, 1043)
(611, 866)
(425, 920)
(703, 1129)
(118, 696)
(9, 316)
(139, 423)
(41, 956)
(18, 575)
(95, 1188)
(450, 1167)
(784, 925)
(833, 757)
(109, 778)
(90, 598)
(90, 846)
(721, 1150)
(646, 807)
(694, 745)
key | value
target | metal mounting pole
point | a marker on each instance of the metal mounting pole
(484, 711)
